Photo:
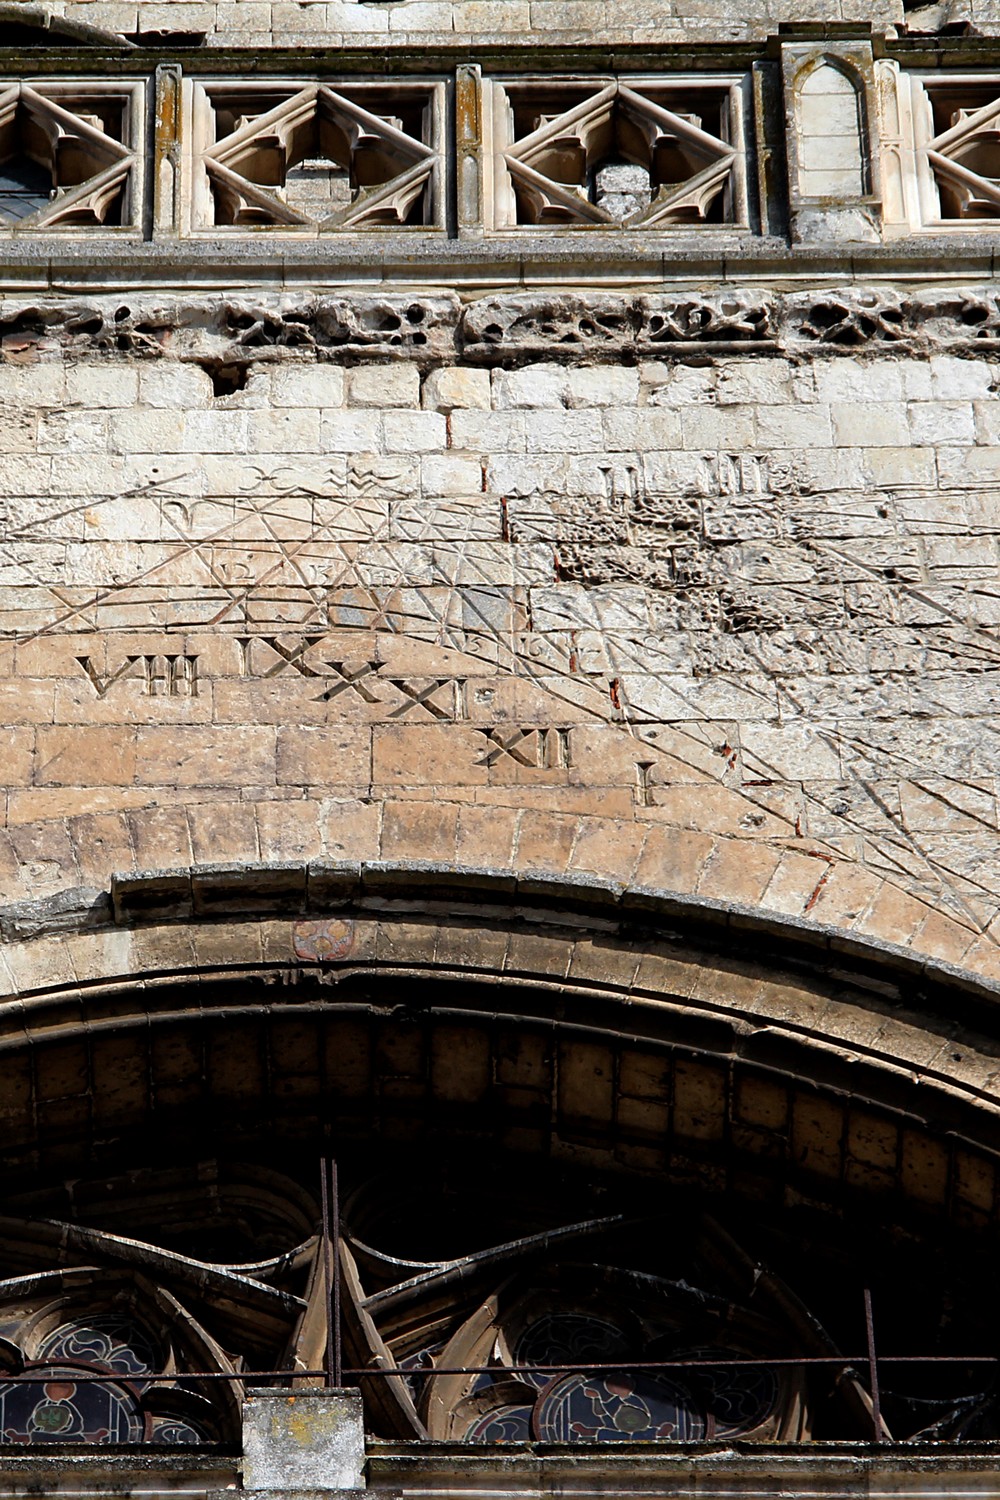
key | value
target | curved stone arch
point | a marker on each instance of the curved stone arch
(705, 850)
(835, 60)
(624, 985)
(56, 29)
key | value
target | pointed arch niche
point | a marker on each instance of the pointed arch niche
(832, 147)
(833, 136)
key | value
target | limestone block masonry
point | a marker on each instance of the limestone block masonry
(576, 459)
(720, 623)
(499, 670)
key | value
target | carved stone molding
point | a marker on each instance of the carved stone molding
(858, 150)
(503, 330)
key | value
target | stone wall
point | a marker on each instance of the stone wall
(721, 623)
(255, 23)
(479, 504)
(498, 621)
(416, 22)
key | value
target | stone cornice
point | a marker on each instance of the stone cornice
(375, 52)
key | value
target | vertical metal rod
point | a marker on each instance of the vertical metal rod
(338, 1359)
(331, 1360)
(873, 1368)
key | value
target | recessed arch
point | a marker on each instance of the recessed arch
(548, 1046)
(583, 962)
(831, 132)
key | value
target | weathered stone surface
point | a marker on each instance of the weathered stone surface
(566, 327)
(312, 1441)
(574, 549)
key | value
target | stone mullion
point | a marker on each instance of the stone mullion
(469, 156)
(166, 188)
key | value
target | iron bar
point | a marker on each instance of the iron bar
(327, 1270)
(873, 1367)
(839, 1361)
(333, 1309)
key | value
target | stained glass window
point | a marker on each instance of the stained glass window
(57, 1398)
(58, 1407)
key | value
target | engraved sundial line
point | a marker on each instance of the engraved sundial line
(510, 658)
(900, 838)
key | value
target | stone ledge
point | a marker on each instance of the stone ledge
(286, 1492)
(265, 890)
(732, 1469)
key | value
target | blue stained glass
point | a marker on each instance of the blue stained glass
(506, 1424)
(176, 1430)
(25, 187)
(572, 1339)
(619, 1406)
(737, 1399)
(113, 1343)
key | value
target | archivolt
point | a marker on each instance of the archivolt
(574, 1020)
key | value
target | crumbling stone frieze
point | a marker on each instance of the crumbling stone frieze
(849, 317)
(575, 327)
(545, 322)
(370, 325)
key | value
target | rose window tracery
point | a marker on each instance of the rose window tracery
(572, 1357)
(633, 1326)
(106, 1338)
(65, 1391)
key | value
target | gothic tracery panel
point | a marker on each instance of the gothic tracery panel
(314, 157)
(70, 155)
(638, 154)
(956, 134)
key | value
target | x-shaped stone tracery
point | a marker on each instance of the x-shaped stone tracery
(388, 169)
(965, 160)
(61, 167)
(552, 166)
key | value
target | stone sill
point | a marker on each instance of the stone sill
(611, 48)
(118, 1469)
(819, 1468)
(482, 263)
